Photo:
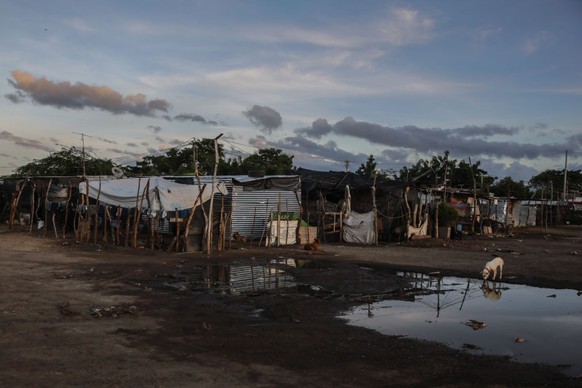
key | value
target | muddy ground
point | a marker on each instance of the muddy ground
(91, 315)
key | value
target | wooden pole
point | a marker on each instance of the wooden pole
(46, 203)
(32, 211)
(106, 217)
(178, 227)
(118, 214)
(134, 238)
(15, 201)
(138, 212)
(191, 215)
(96, 218)
(211, 210)
(68, 203)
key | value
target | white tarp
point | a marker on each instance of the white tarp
(161, 193)
(359, 228)
(281, 233)
(422, 230)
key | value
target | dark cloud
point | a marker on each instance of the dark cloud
(319, 128)
(125, 152)
(81, 96)
(155, 128)
(484, 131)
(160, 140)
(328, 151)
(194, 118)
(264, 118)
(189, 117)
(24, 142)
(106, 140)
(133, 145)
(465, 141)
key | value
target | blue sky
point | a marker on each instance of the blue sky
(326, 81)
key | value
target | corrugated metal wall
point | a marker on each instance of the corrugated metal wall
(252, 208)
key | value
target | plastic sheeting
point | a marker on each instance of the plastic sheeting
(359, 228)
(155, 193)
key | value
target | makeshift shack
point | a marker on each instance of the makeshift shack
(344, 206)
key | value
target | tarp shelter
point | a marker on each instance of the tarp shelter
(358, 227)
(323, 198)
(155, 193)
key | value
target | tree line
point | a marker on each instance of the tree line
(438, 171)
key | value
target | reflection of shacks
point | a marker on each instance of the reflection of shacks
(346, 206)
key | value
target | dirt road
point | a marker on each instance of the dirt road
(105, 316)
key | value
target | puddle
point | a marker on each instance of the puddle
(526, 324)
(266, 276)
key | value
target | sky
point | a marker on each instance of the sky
(327, 81)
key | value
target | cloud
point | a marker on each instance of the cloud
(194, 118)
(23, 142)
(155, 128)
(265, 118)
(398, 26)
(259, 142)
(319, 128)
(81, 96)
(464, 141)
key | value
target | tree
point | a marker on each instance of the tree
(370, 171)
(431, 172)
(67, 161)
(507, 187)
(180, 161)
(554, 179)
(272, 160)
(469, 175)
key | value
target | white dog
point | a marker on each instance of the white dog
(492, 266)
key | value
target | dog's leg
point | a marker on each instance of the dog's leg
(500, 272)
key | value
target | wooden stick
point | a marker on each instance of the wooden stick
(191, 216)
(106, 216)
(68, 203)
(55, 225)
(97, 212)
(178, 225)
(46, 203)
(135, 217)
(118, 214)
(32, 212)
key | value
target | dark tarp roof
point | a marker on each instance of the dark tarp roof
(336, 181)
(330, 181)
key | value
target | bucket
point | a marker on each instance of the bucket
(40, 224)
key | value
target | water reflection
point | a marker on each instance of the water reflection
(528, 324)
(266, 276)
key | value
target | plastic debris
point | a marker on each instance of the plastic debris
(475, 325)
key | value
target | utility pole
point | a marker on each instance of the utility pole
(82, 150)
(347, 165)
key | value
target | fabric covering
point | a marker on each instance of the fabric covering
(359, 228)
(161, 193)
